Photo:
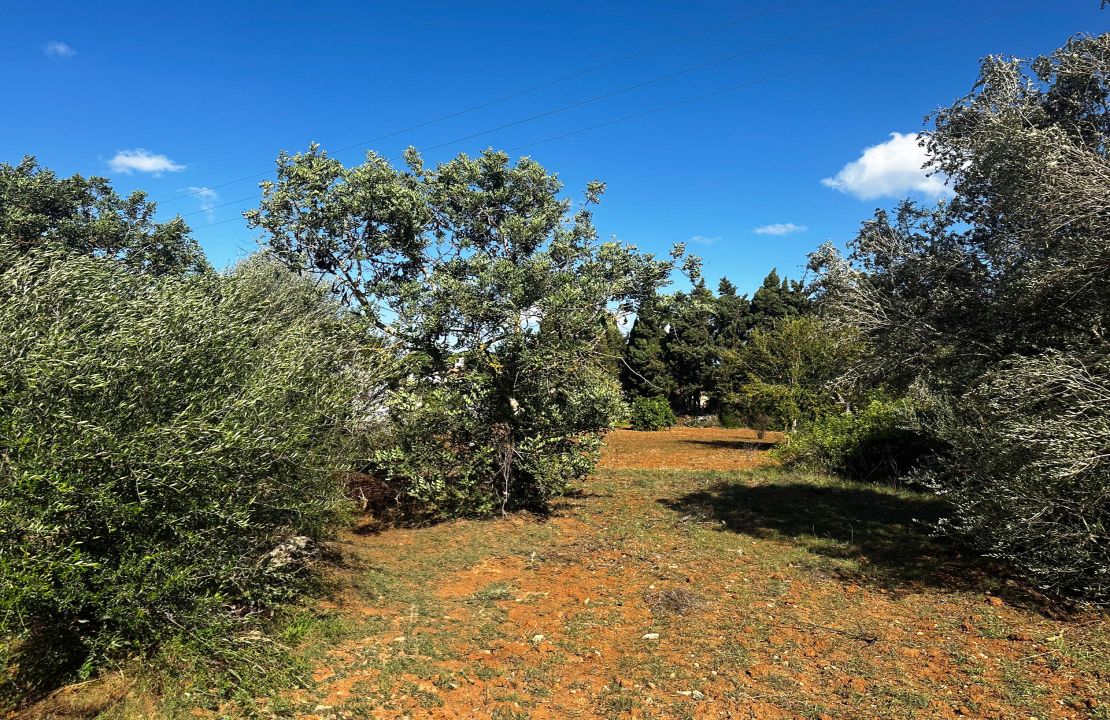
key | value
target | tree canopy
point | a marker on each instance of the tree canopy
(85, 216)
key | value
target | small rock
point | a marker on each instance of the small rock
(697, 695)
(537, 639)
(651, 636)
(292, 551)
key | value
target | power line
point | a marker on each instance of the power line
(526, 91)
(740, 86)
(611, 93)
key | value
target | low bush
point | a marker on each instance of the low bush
(879, 442)
(167, 449)
(651, 413)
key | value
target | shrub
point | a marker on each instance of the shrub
(166, 452)
(767, 406)
(1028, 473)
(448, 452)
(651, 413)
(881, 441)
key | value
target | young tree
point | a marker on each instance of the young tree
(39, 211)
(474, 271)
(789, 372)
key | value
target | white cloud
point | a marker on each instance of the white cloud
(890, 169)
(703, 240)
(780, 229)
(206, 200)
(57, 49)
(129, 161)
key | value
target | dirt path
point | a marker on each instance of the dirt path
(690, 594)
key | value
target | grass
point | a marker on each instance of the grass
(772, 592)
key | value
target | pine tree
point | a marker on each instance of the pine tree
(644, 372)
(732, 316)
(777, 299)
(688, 348)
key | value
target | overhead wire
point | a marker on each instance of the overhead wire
(721, 91)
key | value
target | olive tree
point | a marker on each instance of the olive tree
(478, 275)
(997, 304)
(167, 446)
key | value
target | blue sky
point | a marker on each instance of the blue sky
(177, 97)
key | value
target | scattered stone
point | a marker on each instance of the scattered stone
(537, 639)
(651, 636)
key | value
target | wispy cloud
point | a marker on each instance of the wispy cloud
(890, 169)
(703, 240)
(57, 49)
(780, 229)
(206, 200)
(139, 160)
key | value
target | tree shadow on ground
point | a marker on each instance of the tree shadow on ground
(870, 535)
(737, 444)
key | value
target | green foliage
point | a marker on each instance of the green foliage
(688, 347)
(997, 304)
(158, 439)
(1031, 483)
(448, 453)
(496, 297)
(768, 406)
(776, 300)
(651, 413)
(39, 211)
(788, 373)
(732, 316)
(881, 441)
(644, 372)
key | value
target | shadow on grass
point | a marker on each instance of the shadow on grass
(736, 444)
(40, 663)
(869, 534)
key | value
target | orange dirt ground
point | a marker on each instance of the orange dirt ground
(562, 617)
(686, 448)
(722, 588)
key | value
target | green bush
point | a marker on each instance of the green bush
(167, 449)
(880, 441)
(1027, 472)
(448, 451)
(767, 406)
(651, 413)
